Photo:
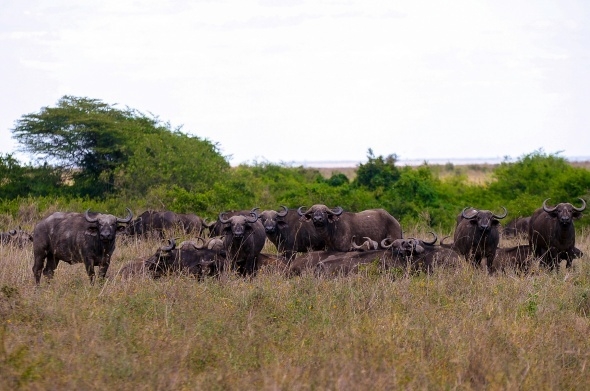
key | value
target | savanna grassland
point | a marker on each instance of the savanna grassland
(455, 329)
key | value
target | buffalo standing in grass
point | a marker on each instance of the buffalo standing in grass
(243, 240)
(74, 238)
(216, 227)
(552, 235)
(477, 235)
(289, 233)
(337, 227)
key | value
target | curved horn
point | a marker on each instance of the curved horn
(546, 208)
(209, 224)
(221, 219)
(580, 209)
(371, 244)
(88, 218)
(197, 244)
(354, 245)
(501, 216)
(300, 211)
(126, 219)
(254, 215)
(465, 216)
(337, 211)
(170, 247)
(434, 241)
(385, 244)
(284, 212)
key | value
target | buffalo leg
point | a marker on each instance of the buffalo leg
(104, 267)
(89, 264)
(38, 267)
(50, 266)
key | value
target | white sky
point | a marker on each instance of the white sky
(285, 81)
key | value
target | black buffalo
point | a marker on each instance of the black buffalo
(16, 237)
(421, 255)
(337, 264)
(517, 258)
(243, 240)
(74, 238)
(477, 235)
(552, 235)
(216, 227)
(189, 258)
(337, 227)
(161, 223)
(289, 233)
(516, 227)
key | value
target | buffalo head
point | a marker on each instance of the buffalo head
(238, 225)
(271, 219)
(564, 212)
(320, 215)
(105, 226)
(484, 219)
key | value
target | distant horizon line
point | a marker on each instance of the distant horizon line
(415, 162)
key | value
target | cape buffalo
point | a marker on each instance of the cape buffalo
(421, 255)
(216, 227)
(16, 237)
(74, 238)
(518, 258)
(289, 233)
(160, 223)
(552, 235)
(516, 227)
(477, 235)
(243, 240)
(345, 263)
(187, 258)
(337, 227)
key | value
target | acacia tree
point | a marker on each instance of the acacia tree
(83, 136)
(109, 150)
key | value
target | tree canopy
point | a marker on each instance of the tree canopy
(105, 149)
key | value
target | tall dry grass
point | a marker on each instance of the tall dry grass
(455, 329)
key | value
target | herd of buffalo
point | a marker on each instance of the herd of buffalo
(329, 241)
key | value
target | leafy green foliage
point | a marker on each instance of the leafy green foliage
(524, 185)
(109, 151)
(378, 172)
(95, 155)
(21, 181)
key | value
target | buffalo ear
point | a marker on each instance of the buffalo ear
(495, 222)
(281, 223)
(121, 228)
(333, 217)
(576, 214)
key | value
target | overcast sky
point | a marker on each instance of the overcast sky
(285, 81)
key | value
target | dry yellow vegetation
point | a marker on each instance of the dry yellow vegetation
(455, 329)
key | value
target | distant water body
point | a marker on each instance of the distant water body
(418, 162)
